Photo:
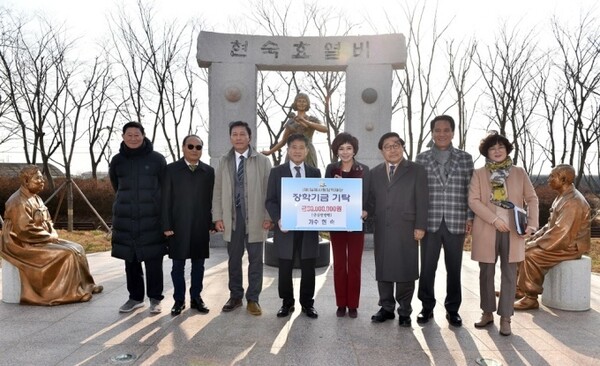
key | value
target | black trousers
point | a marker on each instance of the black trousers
(431, 246)
(154, 279)
(307, 279)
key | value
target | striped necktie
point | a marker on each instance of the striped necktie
(392, 169)
(240, 179)
(193, 167)
(298, 175)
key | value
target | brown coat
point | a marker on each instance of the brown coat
(520, 192)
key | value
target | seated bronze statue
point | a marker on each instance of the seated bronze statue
(52, 271)
(566, 236)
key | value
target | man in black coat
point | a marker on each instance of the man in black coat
(136, 175)
(289, 243)
(187, 220)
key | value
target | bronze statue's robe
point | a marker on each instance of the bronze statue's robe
(566, 236)
(52, 271)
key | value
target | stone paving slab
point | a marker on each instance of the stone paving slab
(95, 333)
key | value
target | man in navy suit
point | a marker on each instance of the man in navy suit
(304, 244)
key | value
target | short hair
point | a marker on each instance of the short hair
(386, 136)
(443, 117)
(493, 139)
(240, 124)
(297, 136)
(566, 171)
(301, 95)
(27, 173)
(134, 124)
(188, 136)
(344, 138)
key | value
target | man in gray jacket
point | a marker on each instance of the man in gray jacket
(239, 213)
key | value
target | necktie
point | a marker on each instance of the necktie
(240, 179)
(193, 167)
(298, 175)
(392, 168)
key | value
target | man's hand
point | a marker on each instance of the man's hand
(169, 233)
(267, 224)
(279, 223)
(468, 227)
(219, 226)
(419, 234)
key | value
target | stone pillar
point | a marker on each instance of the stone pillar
(232, 97)
(368, 108)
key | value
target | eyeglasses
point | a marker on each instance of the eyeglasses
(191, 147)
(392, 147)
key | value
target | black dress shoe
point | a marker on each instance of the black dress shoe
(424, 316)
(382, 315)
(232, 304)
(310, 312)
(404, 321)
(285, 311)
(198, 304)
(454, 319)
(177, 308)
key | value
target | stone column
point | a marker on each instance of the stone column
(368, 108)
(232, 97)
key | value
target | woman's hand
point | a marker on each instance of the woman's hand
(501, 226)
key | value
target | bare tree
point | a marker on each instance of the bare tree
(29, 63)
(580, 71)
(155, 58)
(421, 89)
(460, 59)
(508, 71)
(104, 109)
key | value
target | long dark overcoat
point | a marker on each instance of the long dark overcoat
(187, 206)
(285, 241)
(136, 175)
(399, 207)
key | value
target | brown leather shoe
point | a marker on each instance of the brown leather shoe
(97, 289)
(253, 308)
(486, 319)
(505, 326)
(527, 303)
(232, 304)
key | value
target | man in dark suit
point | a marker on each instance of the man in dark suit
(449, 172)
(187, 220)
(398, 200)
(304, 244)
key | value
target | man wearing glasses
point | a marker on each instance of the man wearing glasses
(239, 213)
(398, 201)
(187, 220)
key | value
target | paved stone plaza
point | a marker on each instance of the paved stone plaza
(95, 333)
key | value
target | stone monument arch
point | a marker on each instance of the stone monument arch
(233, 61)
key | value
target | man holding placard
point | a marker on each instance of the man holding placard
(304, 244)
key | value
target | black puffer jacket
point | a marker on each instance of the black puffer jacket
(136, 176)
